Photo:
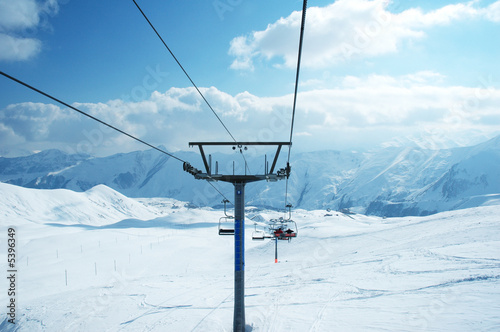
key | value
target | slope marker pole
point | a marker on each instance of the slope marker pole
(275, 250)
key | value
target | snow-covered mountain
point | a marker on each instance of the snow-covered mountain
(159, 265)
(388, 182)
(95, 207)
(414, 181)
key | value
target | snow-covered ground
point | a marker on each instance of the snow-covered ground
(99, 261)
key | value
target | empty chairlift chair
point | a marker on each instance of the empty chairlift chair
(226, 223)
(258, 235)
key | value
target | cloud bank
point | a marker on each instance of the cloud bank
(361, 113)
(347, 29)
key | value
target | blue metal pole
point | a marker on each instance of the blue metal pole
(239, 257)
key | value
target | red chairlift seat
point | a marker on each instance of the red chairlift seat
(280, 235)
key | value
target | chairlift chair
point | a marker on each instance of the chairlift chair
(284, 231)
(224, 228)
(259, 235)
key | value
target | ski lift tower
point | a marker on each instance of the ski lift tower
(239, 182)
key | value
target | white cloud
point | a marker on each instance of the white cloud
(348, 29)
(19, 14)
(243, 54)
(13, 48)
(492, 12)
(361, 113)
(441, 16)
(15, 18)
(7, 134)
(35, 121)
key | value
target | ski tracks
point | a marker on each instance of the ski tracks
(188, 297)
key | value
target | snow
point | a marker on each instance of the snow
(158, 265)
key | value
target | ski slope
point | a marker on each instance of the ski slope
(99, 261)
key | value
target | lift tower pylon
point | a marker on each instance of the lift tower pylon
(239, 182)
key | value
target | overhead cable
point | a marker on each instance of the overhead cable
(185, 72)
(98, 120)
(301, 38)
(88, 115)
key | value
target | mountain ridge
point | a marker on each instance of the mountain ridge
(393, 181)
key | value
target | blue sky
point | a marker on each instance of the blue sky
(374, 73)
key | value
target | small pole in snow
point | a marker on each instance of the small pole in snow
(66, 276)
(275, 250)
(115, 264)
(57, 253)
